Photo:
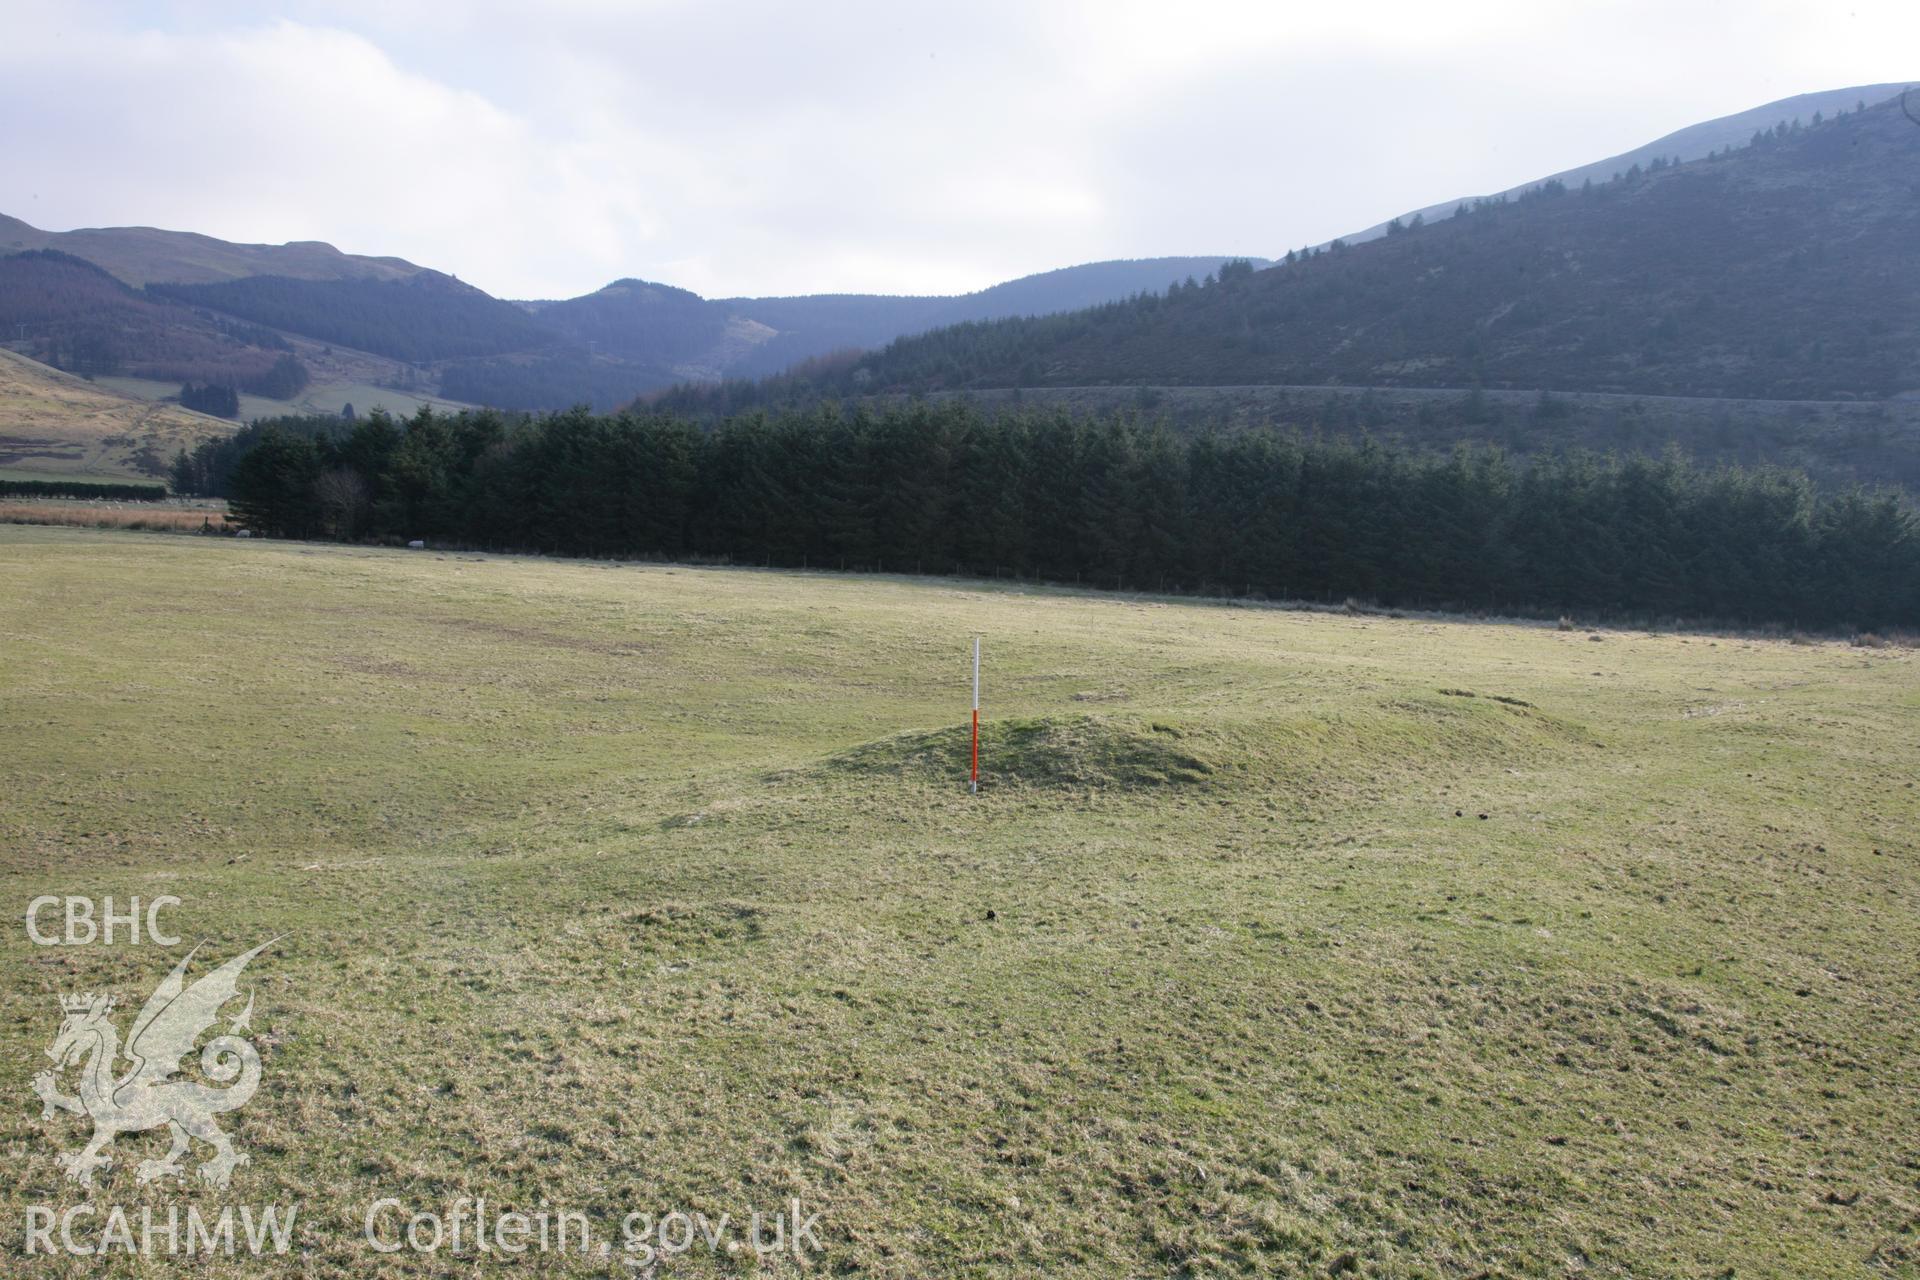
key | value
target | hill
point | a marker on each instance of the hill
(143, 255)
(805, 327)
(449, 339)
(603, 348)
(635, 336)
(71, 314)
(54, 423)
(1784, 270)
(425, 317)
(1694, 142)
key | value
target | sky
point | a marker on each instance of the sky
(542, 150)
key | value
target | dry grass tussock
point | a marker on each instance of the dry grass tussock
(165, 517)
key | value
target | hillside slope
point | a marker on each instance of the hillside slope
(425, 317)
(66, 312)
(1694, 142)
(144, 255)
(52, 422)
(1786, 270)
(804, 327)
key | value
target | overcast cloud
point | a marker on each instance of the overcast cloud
(763, 148)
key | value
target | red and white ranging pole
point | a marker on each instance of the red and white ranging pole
(974, 783)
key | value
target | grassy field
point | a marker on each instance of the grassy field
(323, 396)
(56, 426)
(1276, 943)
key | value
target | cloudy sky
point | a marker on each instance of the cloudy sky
(540, 150)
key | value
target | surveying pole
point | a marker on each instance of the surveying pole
(973, 784)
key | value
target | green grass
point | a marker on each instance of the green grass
(73, 477)
(326, 396)
(646, 887)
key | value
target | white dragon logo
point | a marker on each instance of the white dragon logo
(143, 1098)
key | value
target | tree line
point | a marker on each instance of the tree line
(283, 380)
(219, 401)
(1113, 502)
(82, 489)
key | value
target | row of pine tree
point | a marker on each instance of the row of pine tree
(1112, 503)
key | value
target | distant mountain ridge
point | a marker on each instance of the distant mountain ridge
(818, 324)
(604, 348)
(635, 336)
(147, 255)
(1784, 270)
(1778, 270)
